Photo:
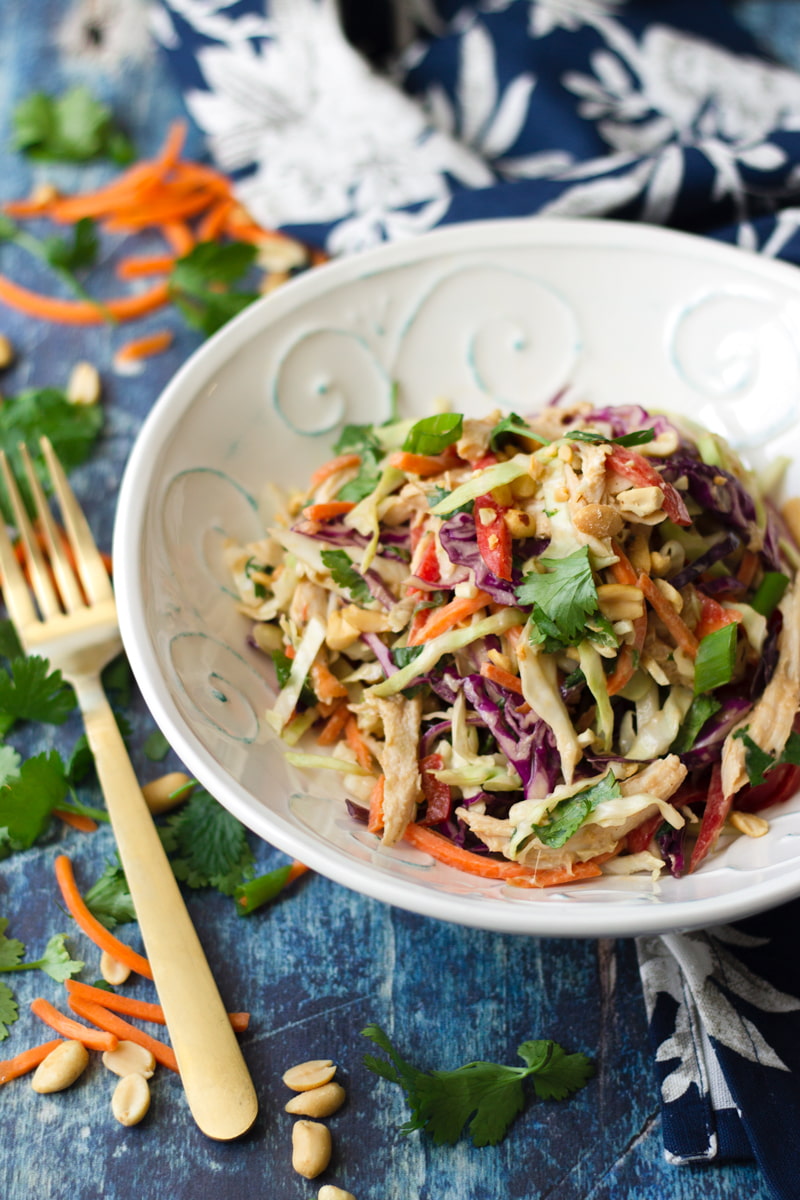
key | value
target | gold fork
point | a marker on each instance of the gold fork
(76, 629)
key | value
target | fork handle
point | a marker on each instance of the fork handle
(218, 1087)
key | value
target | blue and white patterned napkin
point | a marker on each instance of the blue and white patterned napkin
(662, 112)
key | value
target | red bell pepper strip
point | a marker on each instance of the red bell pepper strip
(713, 616)
(494, 538)
(641, 473)
(715, 813)
(437, 794)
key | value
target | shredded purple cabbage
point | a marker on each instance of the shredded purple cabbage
(706, 748)
(671, 844)
(721, 549)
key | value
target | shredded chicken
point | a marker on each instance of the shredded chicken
(402, 793)
(661, 778)
(770, 721)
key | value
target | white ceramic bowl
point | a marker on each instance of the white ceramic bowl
(503, 313)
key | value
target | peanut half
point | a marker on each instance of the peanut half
(311, 1074)
(311, 1148)
(329, 1191)
(61, 1068)
(130, 1058)
(167, 792)
(112, 970)
(317, 1102)
(131, 1099)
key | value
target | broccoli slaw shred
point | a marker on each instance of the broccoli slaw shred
(540, 648)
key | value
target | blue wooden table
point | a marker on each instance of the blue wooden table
(318, 966)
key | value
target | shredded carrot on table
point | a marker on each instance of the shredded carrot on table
(143, 1010)
(152, 264)
(91, 1038)
(27, 1060)
(144, 347)
(90, 925)
(121, 1030)
(77, 821)
(81, 312)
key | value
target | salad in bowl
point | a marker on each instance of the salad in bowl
(539, 648)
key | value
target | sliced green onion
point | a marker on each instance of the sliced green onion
(716, 656)
(261, 890)
(484, 481)
(434, 434)
(769, 592)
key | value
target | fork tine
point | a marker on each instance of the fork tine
(66, 578)
(16, 592)
(91, 567)
(43, 588)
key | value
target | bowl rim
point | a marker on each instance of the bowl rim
(618, 919)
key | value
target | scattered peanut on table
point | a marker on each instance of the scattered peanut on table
(112, 970)
(61, 1068)
(311, 1148)
(308, 1075)
(131, 1099)
(130, 1058)
(329, 1191)
(317, 1095)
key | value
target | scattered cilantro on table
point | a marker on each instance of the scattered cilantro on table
(201, 282)
(108, 899)
(207, 845)
(64, 255)
(56, 961)
(72, 127)
(479, 1099)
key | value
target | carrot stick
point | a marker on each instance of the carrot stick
(26, 208)
(173, 145)
(144, 347)
(77, 821)
(416, 464)
(375, 821)
(81, 312)
(444, 618)
(26, 1061)
(623, 570)
(678, 629)
(91, 1038)
(90, 925)
(340, 463)
(334, 726)
(179, 236)
(212, 224)
(325, 683)
(295, 871)
(328, 510)
(123, 1030)
(747, 568)
(153, 264)
(556, 876)
(503, 678)
(141, 1009)
(447, 852)
(357, 744)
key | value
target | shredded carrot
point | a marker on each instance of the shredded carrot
(144, 347)
(555, 876)
(357, 744)
(213, 222)
(416, 464)
(77, 821)
(444, 618)
(90, 925)
(153, 264)
(325, 683)
(19, 209)
(173, 145)
(27, 1060)
(503, 678)
(122, 1030)
(678, 629)
(747, 568)
(132, 1007)
(375, 821)
(447, 852)
(81, 312)
(62, 1024)
(341, 463)
(179, 236)
(623, 570)
(328, 510)
(333, 727)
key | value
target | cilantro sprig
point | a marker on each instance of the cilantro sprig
(64, 255)
(566, 817)
(361, 440)
(758, 762)
(56, 961)
(345, 575)
(562, 598)
(513, 426)
(72, 127)
(479, 1099)
(207, 846)
(201, 284)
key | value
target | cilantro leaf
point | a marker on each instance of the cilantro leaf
(758, 763)
(10, 645)
(27, 800)
(12, 950)
(57, 962)
(156, 746)
(345, 575)
(434, 434)
(72, 428)
(361, 440)
(562, 598)
(31, 692)
(479, 1098)
(81, 251)
(569, 814)
(639, 437)
(73, 127)
(207, 846)
(8, 1010)
(108, 899)
(283, 668)
(200, 283)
